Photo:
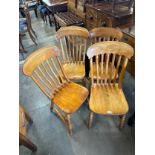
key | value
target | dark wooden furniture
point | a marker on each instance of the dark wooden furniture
(23, 140)
(67, 19)
(25, 25)
(32, 6)
(45, 69)
(101, 15)
(77, 7)
(106, 95)
(55, 7)
(130, 39)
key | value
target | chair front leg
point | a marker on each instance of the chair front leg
(122, 121)
(69, 124)
(90, 119)
(26, 142)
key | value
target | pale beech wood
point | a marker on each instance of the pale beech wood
(106, 33)
(73, 43)
(72, 30)
(101, 34)
(74, 71)
(106, 96)
(108, 99)
(70, 97)
(102, 71)
(112, 47)
(45, 68)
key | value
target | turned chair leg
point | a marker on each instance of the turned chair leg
(69, 124)
(52, 106)
(122, 121)
(90, 119)
(26, 142)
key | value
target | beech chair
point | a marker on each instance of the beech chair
(73, 41)
(45, 68)
(104, 34)
(106, 96)
(23, 140)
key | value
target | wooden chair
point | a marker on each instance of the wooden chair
(23, 140)
(102, 34)
(45, 68)
(26, 25)
(73, 41)
(106, 96)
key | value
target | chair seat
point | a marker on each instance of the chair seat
(104, 73)
(22, 122)
(74, 70)
(70, 97)
(108, 99)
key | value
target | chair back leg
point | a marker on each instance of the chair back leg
(27, 143)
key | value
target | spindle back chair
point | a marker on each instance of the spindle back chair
(73, 42)
(107, 97)
(104, 34)
(29, 23)
(101, 34)
(46, 70)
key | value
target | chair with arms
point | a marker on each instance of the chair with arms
(73, 41)
(45, 68)
(106, 96)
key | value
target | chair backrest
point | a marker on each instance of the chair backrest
(105, 53)
(104, 34)
(73, 41)
(27, 15)
(45, 68)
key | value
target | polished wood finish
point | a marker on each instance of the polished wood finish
(29, 29)
(100, 34)
(68, 19)
(107, 97)
(76, 8)
(104, 34)
(45, 68)
(73, 41)
(23, 140)
(101, 15)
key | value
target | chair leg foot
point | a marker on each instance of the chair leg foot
(90, 119)
(27, 143)
(69, 124)
(122, 121)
